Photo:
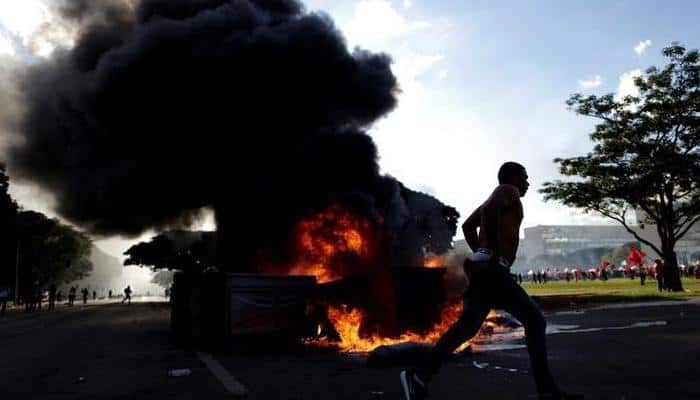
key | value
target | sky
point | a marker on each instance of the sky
(482, 83)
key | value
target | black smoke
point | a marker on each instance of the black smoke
(253, 107)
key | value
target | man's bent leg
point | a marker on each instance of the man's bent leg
(474, 312)
(516, 301)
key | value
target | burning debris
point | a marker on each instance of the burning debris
(347, 325)
(331, 245)
(434, 261)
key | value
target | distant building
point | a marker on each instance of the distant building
(566, 239)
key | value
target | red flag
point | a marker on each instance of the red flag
(635, 257)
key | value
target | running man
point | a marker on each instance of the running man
(127, 295)
(491, 287)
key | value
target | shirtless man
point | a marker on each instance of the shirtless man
(492, 287)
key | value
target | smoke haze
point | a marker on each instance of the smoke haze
(253, 107)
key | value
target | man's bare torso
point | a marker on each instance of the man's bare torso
(498, 220)
(508, 231)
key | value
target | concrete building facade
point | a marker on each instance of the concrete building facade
(566, 239)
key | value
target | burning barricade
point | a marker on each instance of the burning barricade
(337, 291)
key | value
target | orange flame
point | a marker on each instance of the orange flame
(322, 237)
(434, 261)
(348, 322)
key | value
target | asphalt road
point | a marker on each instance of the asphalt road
(114, 351)
(102, 351)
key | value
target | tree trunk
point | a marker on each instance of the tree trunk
(672, 276)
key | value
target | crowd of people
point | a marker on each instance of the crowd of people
(605, 271)
(33, 298)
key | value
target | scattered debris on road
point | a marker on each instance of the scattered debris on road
(180, 372)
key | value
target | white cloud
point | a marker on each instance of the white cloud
(415, 66)
(642, 46)
(23, 17)
(34, 27)
(380, 25)
(407, 3)
(627, 86)
(409, 68)
(374, 22)
(442, 74)
(595, 81)
(6, 47)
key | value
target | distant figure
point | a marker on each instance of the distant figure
(491, 232)
(36, 297)
(59, 296)
(127, 295)
(110, 294)
(4, 297)
(642, 274)
(52, 296)
(71, 295)
(85, 295)
(94, 294)
(659, 271)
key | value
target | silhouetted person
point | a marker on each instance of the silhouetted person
(28, 296)
(495, 245)
(38, 296)
(33, 298)
(127, 295)
(659, 271)
(84, 292)
(94, 294)
(642, 275)
(4, 297)
(52, 296)
(110, 294)
(71, 295)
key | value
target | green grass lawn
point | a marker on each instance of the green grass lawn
(565, 294)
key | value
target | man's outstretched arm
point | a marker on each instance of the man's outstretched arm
(469, 227)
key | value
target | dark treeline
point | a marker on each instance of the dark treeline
(38, 250)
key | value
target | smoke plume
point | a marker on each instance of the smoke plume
(253, 107)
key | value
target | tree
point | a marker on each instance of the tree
(646, 155)
(50, 251)
(8, 235)
(163, 279)
(179, 250)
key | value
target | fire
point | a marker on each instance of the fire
(434, 261)
(326, 239)
(347, 322)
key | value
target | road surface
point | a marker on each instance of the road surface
(114, 351)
